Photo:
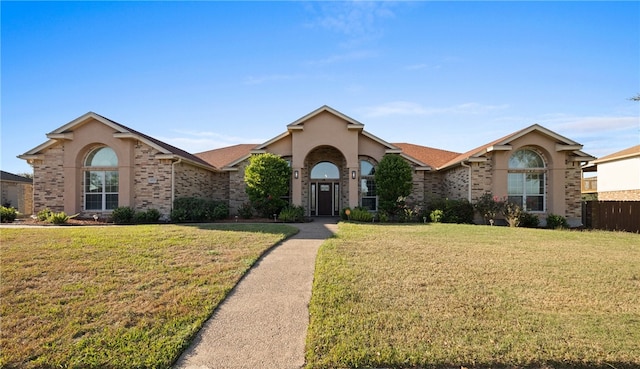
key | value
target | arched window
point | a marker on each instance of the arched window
(325, 170)
(101, 179)
(368, 197)
(526, 186)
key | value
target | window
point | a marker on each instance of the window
(101, 180)
(525, 183)
(325, 170)
(368, 198)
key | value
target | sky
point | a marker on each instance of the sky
(204, 75)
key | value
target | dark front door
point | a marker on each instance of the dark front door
(325, 195)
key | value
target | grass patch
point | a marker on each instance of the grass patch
(444, 296)
(117, 297)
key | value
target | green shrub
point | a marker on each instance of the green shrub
(529, 220)
(344, 215)
(58, 218)
(43, 214)
(123, 215)
(292, 213)
(8, 214)
(360, 214)
(194, 209)
(246, 210)
(557, 222)
(436, 216)
(454, 211)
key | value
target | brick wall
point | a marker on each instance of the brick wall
(151, 181)
(573, 190)
(19, 195)
(627, 195)
(456, 183)
(237, 193)
(48, 180)
(481, 179)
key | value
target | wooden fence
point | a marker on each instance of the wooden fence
(612, 215)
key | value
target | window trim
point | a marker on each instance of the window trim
(102, 171)
(368, 177)
(523, 172)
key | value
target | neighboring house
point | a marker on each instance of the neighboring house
(619, 175)
(93, 164)
(17, 192)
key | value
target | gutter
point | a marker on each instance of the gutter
(173, 180)
(469, 178)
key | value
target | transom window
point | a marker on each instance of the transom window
(325, 170)
(368, 197)
(526, 180)
(101, 180)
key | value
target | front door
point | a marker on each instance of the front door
(325, 197)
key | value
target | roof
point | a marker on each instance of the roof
(503, 144)
(623, 154)
(6, 176)
(226, 156)
(123, 132)
(428, 155)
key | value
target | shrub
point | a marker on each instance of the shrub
(393, 178)
(58, 218)
(267, 178)
(512, 213)
(344, 214)
(123, 215)
(529, 220)
(557, 222)
(7, 214)
(246, 210)
(436, 216)
(454, 211)
(488, 207)
(43, 214)
(360, 214)
(194, 209)
(292, 213)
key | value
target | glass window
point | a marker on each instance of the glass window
(368, 197)
(101, 186)
(525, 181)
(325, 170)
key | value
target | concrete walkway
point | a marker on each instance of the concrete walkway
(263, 322)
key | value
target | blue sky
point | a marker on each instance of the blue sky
(203, 75)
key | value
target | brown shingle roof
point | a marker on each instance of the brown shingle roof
(428, 155)
(222, 157)
(626, 153)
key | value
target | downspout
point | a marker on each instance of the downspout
(173, 180)
(469, 178)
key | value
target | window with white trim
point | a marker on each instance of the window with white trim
(368, 197)
(101, 179)
(526, 180)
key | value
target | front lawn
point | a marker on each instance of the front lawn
(446, 296)
(117, 297)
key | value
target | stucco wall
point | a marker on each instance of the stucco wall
(619, 175)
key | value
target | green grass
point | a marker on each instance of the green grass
(446, 296)
(117, 297)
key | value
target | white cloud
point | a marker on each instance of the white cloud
(590, 124)
(352, 18)
(410, 108)
(199, 141)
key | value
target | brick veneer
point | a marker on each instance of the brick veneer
(48, 180)
(626, 195)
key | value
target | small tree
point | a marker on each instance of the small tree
(267, 178)
(393, 182)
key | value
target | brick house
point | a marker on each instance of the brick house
(17, 192)
(93, 164)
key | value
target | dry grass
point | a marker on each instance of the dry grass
(448, 296)
(119, 297)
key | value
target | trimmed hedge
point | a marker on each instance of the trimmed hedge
(194, 209)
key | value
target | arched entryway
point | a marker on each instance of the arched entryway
(327, 187)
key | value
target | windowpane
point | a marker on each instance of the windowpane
(93, 181)
(93, 201)
(111, 201)
(515, 184)
(535, 203)
(535, 184)
(369, 203)
(325, 170)
(525, 159)
(366, 168)
(516, 200)
(368, 187)
(111, 181)
(102, 157)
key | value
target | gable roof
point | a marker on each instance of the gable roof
(226, 156)
(562, 143)
(122, 131)
(322, 109)
(6, 176)
(622, 154)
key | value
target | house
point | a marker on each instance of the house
(619, 175)
(93, 164)
(17, 192)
